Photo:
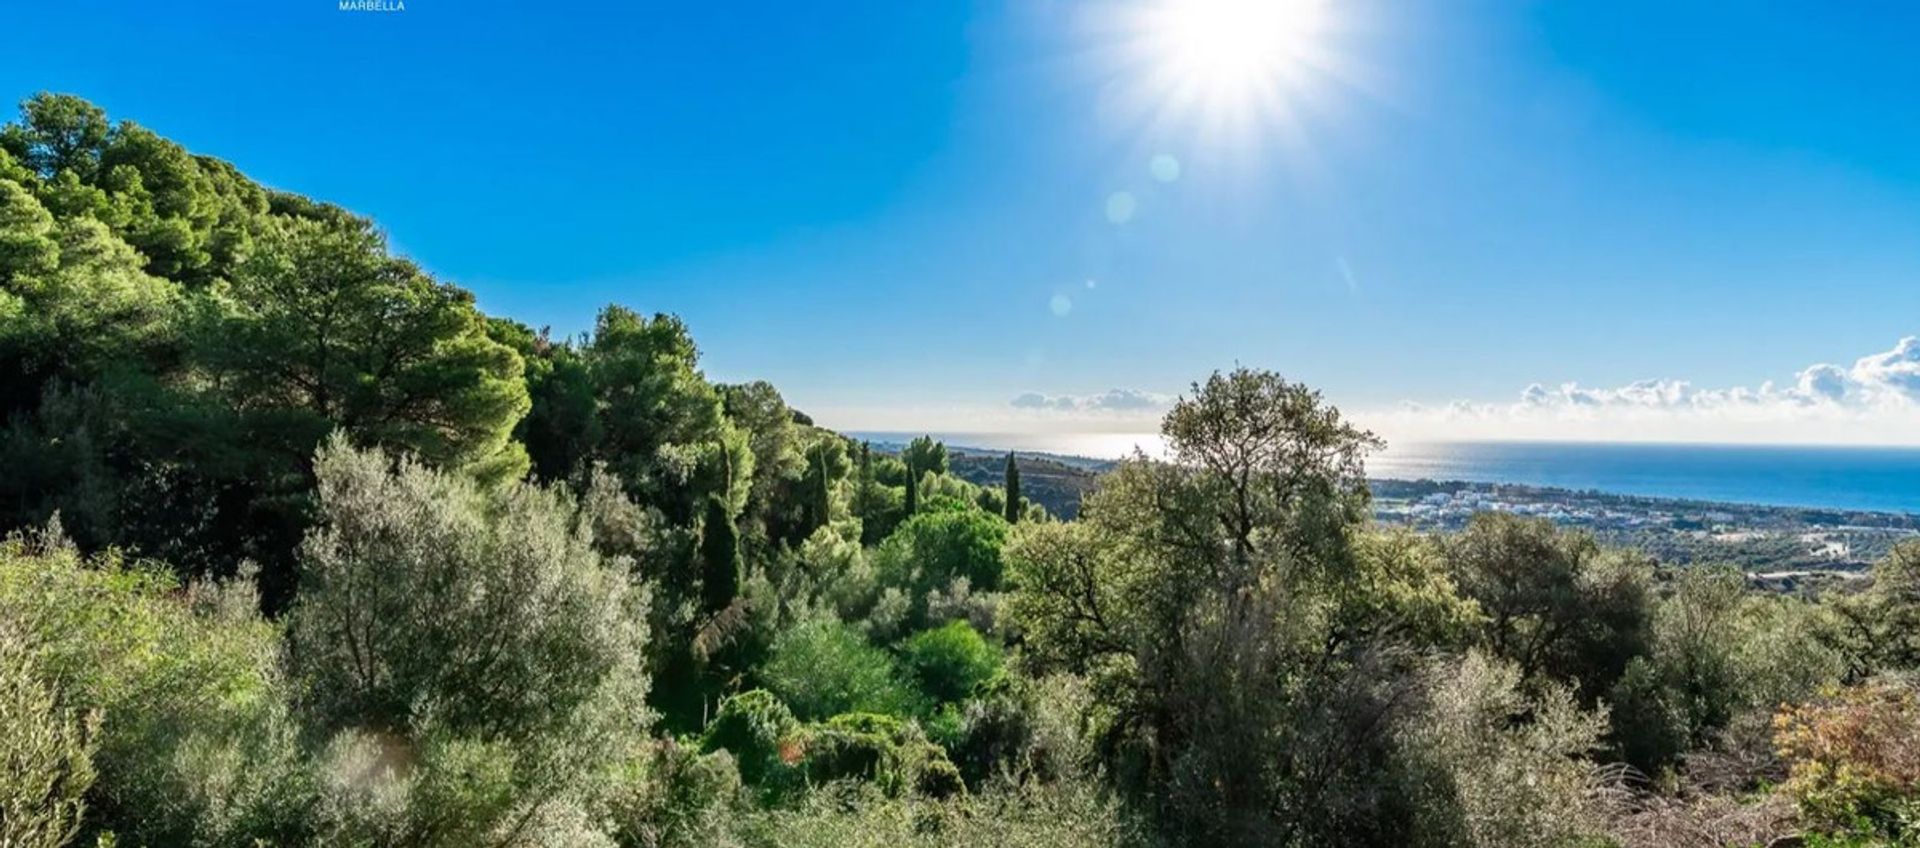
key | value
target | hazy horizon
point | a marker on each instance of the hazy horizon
(1099, 444)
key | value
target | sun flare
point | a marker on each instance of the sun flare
(1236, 46)
(1237, 69)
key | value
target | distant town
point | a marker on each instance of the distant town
(1783, 544)
(1788, 547)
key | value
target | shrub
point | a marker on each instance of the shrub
(1017, 728)
(1719, 655)
(442, 790)
(1854, 758)
(958, 602)
(823, 668)
(758, 731)
(855, 816)
(195, 745)
(893, 755)
(676, 797)
(950, 661)
(1878, 630)
(45, 754)
(1489, 766)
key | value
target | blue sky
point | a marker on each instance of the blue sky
(893, 209)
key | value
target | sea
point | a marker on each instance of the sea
(1881, 479)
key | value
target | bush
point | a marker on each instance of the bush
(1017, 728)
(895, 756)
(853, 816)
(823, 668)
(676, 797)
(439, 789)
(1489, 766)
(1878, 630)
(759, 732)
(1854, 758)
(195, 746)
(46, 754)
(1720, 654)
(951, 661)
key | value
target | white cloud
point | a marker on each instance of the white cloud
(1111, 400)
(1896, 371)
(1876, 400)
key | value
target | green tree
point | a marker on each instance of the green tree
(1556, 604)
(562, 424)
(928, 552)
(778, 443)
(1014, 504)
(820, 481)
(323, 330)
(1225, 616)
(84, 333)
(664, 431)
(924, 454)
(58, 133)
(320, 330)
(191, 218)
(27, 245)
(74, 303)
(950, 661)
(1878, 630)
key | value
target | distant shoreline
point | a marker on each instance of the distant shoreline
(1843, 480)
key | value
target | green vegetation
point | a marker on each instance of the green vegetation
(303, 549)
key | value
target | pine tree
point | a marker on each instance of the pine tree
(719, 556)
(1013, 490)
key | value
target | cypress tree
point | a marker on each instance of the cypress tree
(1013, 490)
(720, 562)
(860, 493)
(822, 490)
(913, 487)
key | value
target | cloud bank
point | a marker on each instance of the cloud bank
(1876, 400)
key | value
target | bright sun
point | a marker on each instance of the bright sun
(1229, 45)
(1236, 65)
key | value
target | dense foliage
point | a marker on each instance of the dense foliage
(304, 549)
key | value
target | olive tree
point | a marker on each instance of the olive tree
(474, 633)
(1247, 653)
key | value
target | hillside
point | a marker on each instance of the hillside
(1056, 485)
